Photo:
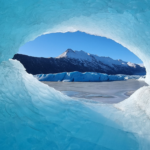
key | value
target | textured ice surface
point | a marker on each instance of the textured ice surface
(33, 116)
(83, 77)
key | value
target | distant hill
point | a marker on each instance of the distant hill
(81, 61)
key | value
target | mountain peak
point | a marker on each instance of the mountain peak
(69, 50)
(69, 53)
(78, 61)
(83, 56)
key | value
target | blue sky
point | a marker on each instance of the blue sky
(52, 45)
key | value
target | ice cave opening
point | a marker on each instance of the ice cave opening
(53, 45)
(34, 116)
(63, 54)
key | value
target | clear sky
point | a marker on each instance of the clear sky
(52, 45)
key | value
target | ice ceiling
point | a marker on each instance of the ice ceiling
(34, 116)
(125, 21)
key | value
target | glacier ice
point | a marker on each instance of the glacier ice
(34, 116)
(84, 77)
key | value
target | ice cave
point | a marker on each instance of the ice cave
(34, 116)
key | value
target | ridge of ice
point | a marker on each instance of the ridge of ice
(83, 77)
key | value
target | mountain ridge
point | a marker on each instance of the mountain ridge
(69, 53)
(81, 61)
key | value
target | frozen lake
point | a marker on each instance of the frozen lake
(105, 92)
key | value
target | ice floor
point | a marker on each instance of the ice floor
(105, 92)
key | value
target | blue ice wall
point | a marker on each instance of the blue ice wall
(84, 77)
(34, 116)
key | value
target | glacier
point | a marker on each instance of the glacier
(85, 77)
(35, 116)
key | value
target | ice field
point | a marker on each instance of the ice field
(35, 116)
(103, 92)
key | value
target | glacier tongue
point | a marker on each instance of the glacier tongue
(85, 77)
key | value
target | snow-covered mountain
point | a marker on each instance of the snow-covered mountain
(86, 57)
(81, 61)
